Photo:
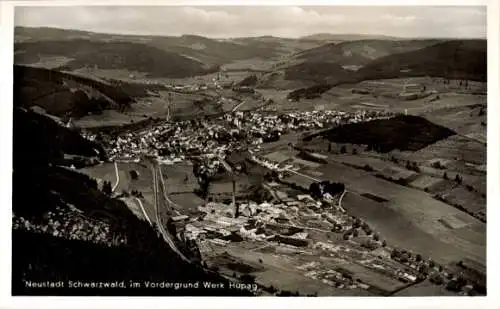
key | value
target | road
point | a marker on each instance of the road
(161, 202)
(165, 196)
(144, 211)
(303, 175)
(117, 178)
(340, 201)
(237, 106)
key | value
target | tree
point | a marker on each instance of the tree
(106, 187)
(384, 243)
(329, 147)
(134, 175)
(315, 190)
(431, 264)
(418, 258)
(343, 149)
(356, 223)
(376, 237)
(437, 279)
(437, 165)
(423, 269)
(395, 253)
(355, 233)
(458, 179)
(354, 151)
(204, 186)
(445, 175)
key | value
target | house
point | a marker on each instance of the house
(219, 242)
(413, 88)
(409, 277)
(302, 197)
(180, 218)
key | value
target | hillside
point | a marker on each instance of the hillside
(66, 229)
(210, 52)
(65, 94)
(319, 72)
(360, 52)
(37, 134)
(401, 132)
(457, 59)
(336, 62)
(134, 57)
(329, 37)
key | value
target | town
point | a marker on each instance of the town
(305, 224)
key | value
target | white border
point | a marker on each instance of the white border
(6, 53)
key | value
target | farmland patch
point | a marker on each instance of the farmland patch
(425, 182)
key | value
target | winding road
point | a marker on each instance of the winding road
(143, 211)
(237, 106)
(117, 178)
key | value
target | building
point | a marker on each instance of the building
(219, 242)
(297, 242)
(302, 197)
(180, 218)
(413, 88)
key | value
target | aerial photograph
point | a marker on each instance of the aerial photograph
(249, 151)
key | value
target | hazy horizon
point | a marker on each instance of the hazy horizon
(221, 22)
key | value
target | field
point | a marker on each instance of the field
(299, 180)
(109, 117)
(305, 164)
(249, 65)
(179, 178)
(383, 95)
(425, 288)
(280, 156)
(425, 182)
(469, 200)
(188, 202)
(50, 62)
(462, 113)
(143, 184)
(455, 148)
(282, 272)
(400, 230)
(410, 217)
(281, 144)
(372, 278)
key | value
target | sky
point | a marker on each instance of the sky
(283, 21)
